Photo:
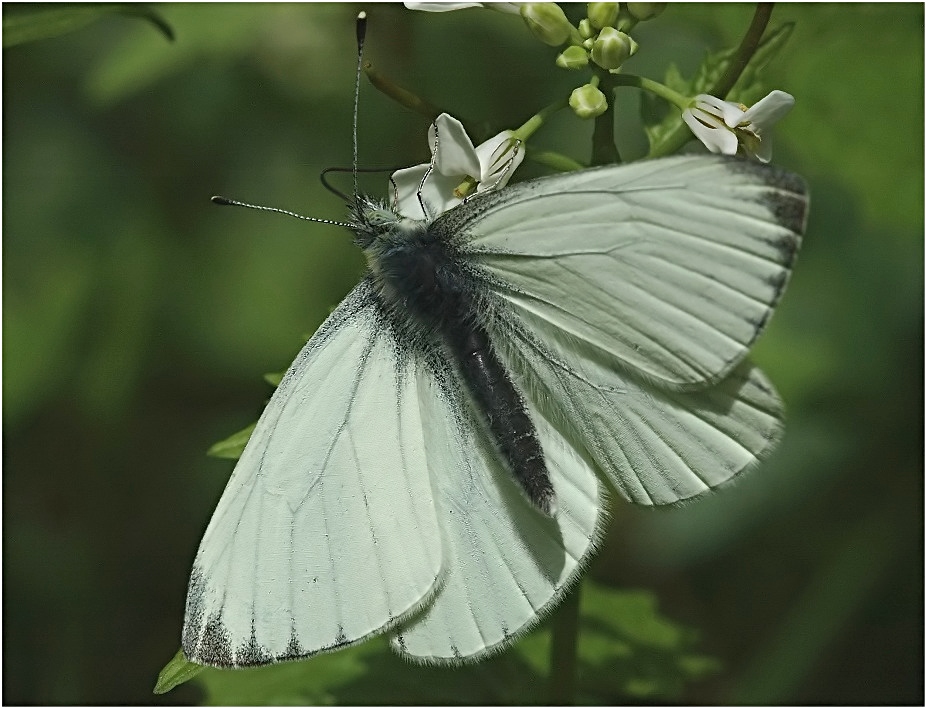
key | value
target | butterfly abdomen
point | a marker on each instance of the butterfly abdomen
(505, 412)
(425, 286)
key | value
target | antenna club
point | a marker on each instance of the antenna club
(224, 201)
(361, 27)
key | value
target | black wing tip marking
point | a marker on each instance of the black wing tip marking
(790, 212)
(205, 638)
(772, 175)
(251, 653)
(787, 197)
(214, 649)
(195, 610)
(294, 649)
(207, 641)
(341, 638)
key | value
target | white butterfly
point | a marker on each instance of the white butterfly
(431, 465)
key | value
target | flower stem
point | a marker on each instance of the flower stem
(553, 160)
(564, 650)
(604, 149)
(745, 51)
(537, 120)
(654, 87)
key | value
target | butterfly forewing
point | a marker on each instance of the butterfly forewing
(670, 267)
(327, 532)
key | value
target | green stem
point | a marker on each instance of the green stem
(564, 650)
(655, 87)
(745, 51)
(538, 119)
(554, 160)
(604, 149)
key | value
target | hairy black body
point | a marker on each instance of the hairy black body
(421, 278)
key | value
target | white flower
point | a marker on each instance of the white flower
(509, 7)
(456, 170)
(723, 126)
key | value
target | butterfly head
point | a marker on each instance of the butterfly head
(376, 226)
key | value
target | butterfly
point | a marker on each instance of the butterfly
(434, 464)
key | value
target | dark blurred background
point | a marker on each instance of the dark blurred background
(138, 320)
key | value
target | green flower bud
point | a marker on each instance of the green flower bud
(573, 57)
(589, 43)
(613, 48)
(585, 28)
(645, 10)
(588, 102)
(547, 21)
(602, 14)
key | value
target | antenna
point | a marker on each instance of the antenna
(361, 35)
(225, 201)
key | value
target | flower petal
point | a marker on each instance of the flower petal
(440, 6)
(730, 113)
(455, 152)
(769, 110)
(436, 191)
(498, 157)
(403, 188)
(715, 136)
(437, 194)
(511, 8)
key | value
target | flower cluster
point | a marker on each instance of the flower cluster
(601, 43)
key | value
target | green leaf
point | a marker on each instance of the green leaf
(29, 22)
(627, 648)
(274, 379)
(231, 447)
(177, 671)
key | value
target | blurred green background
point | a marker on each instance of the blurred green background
(138, 320)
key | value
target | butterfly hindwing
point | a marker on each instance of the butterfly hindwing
(656, 445)
(507, 563)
